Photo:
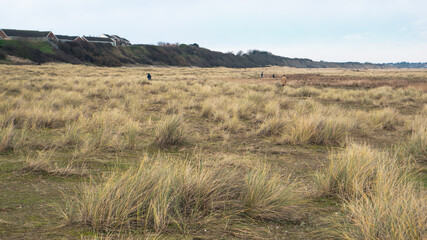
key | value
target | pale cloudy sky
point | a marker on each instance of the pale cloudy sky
(330, 30)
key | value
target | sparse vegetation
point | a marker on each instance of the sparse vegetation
(211, 153)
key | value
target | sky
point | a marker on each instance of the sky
(374, 31)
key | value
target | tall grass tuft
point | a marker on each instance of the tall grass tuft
(317, 130)
(400, 212)
(168, 194)
(271, 126)
(381, 201)
(42, 164)
(386, 118)
(417, 143)
(267, 195)
(356, 171)
(7, 135)
(170, 132)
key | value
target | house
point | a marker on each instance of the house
(119, 40)
(99, 40)
(14, 34)
(65, 38)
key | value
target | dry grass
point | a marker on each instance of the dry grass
(356, 171)
(108, 117)
(380, 199)
(7, 135)
(170, 132)
(42, 164)
(165, 194)
(399, 212)
(417, 143)
(317, 130)
(272, 126)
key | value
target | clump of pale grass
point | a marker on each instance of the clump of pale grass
(170, 131)
(272, 126)
(42, 163)
(130, 131)
(331, 131)
(398, 213)
(272, 108)
(247, 107)
(380, 199)
(284, 103)
(386, 118)
(305, 91)
(207, 109)
(307, 106)
(231, 124)
(172, 107)
(316, 129)
(268, 195)
(170, 194)
(73, 135)
(359, 170)
(417, 142)
(351, 172)
(424, 110)
(7, 136)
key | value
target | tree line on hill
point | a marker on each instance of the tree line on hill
(170, 55)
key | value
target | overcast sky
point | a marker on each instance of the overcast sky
(330, 30)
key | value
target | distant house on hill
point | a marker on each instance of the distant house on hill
(14, 34)
(99, 40)
(65, 38)
(119, 40)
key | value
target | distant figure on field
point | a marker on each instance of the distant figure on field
(262, 74)
(149, 76)
(284, 80)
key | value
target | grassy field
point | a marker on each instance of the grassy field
(212, 153)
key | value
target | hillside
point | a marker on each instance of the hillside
(182, 55)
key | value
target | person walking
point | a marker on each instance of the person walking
(284, 80)
(149, 77)
(262, 74)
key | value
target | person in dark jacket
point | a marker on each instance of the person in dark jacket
(149, 76)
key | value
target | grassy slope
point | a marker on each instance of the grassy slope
(182, 55)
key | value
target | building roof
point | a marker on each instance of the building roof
(121, 38)
(25, 33)
(65, 37)
(116, 37)
(98, 39)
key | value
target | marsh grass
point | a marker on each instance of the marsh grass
(397, 213)
(380, 198)
(386, 119)
(7, 136)
(417, 142)
(108, 116)
(272, 126)
(268, 195)
(170, 131)
(42, 163)
(356, 171)
(167, 194)
(315, 129)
